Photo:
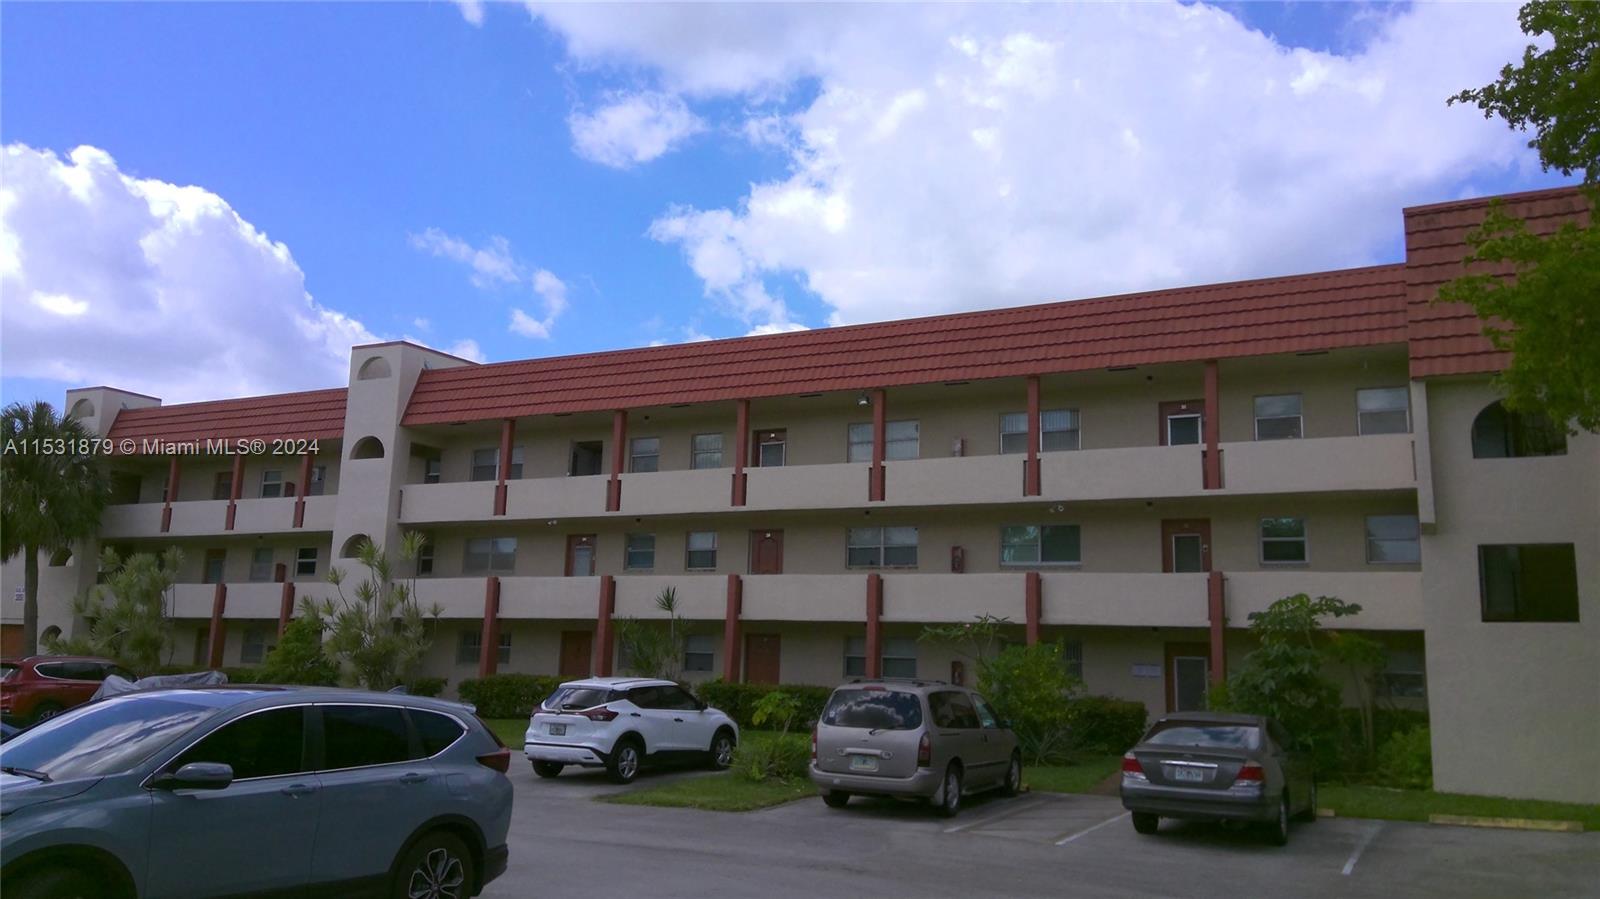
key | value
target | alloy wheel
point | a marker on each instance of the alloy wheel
(439, 875)
(724, 751)
(628, 762)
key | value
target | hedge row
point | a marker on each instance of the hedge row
(1104, 725)
(739, 700)
(507, 695)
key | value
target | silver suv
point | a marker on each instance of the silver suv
(912, 739)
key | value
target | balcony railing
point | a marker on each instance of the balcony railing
(1389, 600)
(951, 597)
(1376, 462)
(805, 597)
(1132, 599)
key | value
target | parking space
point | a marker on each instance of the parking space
(1036, 844)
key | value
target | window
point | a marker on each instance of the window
(953, 709)
(1184, 429)
(701, 552)
(902, 440)
(261, 564)
(222, 485)
(355, 736)
(502, 652)
(1383, 410)
(644, 454)
(641, 552)
(272, 483)
(855, 656)
(1072, 659)
(1392, 539)
(486, 464)
(1529, 582)
(212, 571)
(899, 657)
(699, 652)
(469, 647)
(1278, 417)
(1058, 430)
(1040, 545)
(432, 470)
(881, 548)
(305, 561)
(435, 731)
(490, 555)
(586, 458)
(707, 451)
(253, 648)
(425, 557)
(266, 744)
(1283, 541)
(1499, 433)
(873, 709)
(319, 480)
(771, 448)
(1403, 675)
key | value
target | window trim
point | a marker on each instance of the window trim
(1041, 563)
(1367, 542)
(882, 547)
(716, 546)
(490, 568)
(305, 755)
(266, 577)
(627, 551)
(279, 483)
(695, 453)
(316, 556)
(1299, 417)
(710, 654)
(1483, 583)
(1404, 392)
(634, 455)
(1077, 417)
(1304, 540)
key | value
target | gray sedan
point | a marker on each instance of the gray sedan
(1213, 766)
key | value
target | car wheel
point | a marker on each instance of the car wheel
(950, 793)
(53, 883)
(1013, 784)
(1279, 833)
(437, 866)
(46, 710)
(836, 799)
(623, 766)
(1310, 813)
(548, 769)
(1146, 823)
(722, 749)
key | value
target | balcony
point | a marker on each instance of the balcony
(837, 486)
(953, 481)
(1134, 472)
(194, 600)
(455, 597)
(132, 520)
(673, 492)
(1377, 462)
(953, 597)
(573, 497)
(1118, 599)
(319, 513)
(805, 597)
(703, 596)
(197, 518)
(459, 501)
(546, 597)
(1389, 600)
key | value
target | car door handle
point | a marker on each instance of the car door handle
(679, 720)
(634, 715)
(412, 777)
(295, 791)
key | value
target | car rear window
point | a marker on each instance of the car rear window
(1207, 736)
(873, 709)
(435, 730)
(578, 697)
(355, 736)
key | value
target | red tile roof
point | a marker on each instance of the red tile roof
(313, 414)
(1355, 307)
(1447, 339)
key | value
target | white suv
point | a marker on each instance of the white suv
(620, 723)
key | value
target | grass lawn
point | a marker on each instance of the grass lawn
(509, 730)
(1082, 777)
(725, 792)
(1349, 801)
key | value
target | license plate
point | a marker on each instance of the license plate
(558, 730)
(863, 763)
(1189, 775)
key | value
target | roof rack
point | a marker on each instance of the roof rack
(914, 681)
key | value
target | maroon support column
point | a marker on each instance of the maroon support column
(741, 448)
(602, 630)
(731, 672)
(619, 454)
(1031, 480)
(489, 646)
(1217, 615)
(285, 607)
(300, 493)
(1212, 476)
(172, 494)
(1033, 603)
(880, 429)
(235, 489)
(219, 627)
(874, 629)
(508, 433)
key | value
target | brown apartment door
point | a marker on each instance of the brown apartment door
(766, 552)
(580, 555)
(761, 653)
(1186, 544)
(1187, 673)
(1183, 422)
(577, 648)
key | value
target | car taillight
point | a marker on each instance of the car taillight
(499, 760)
(1251, 771)
(924, 751)
(813, 744)
(600, 714)
(1130, 764)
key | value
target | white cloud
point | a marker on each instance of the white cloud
(958, 157)
(759, 330)
(632, 129)
(471, 10)
(467, 348)
(491, 264)
(152, 287)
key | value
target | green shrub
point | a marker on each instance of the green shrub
(298, 658)
(1406, 760)
(426, 686)
(1104, 725)
(243, 675)
(1031, 689)
(739, 701)
(779, 757)
(507, 695)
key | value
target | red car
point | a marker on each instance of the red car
(34, 688)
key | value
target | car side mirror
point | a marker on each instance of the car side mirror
(197, 776)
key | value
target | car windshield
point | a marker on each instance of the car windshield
(873, 709)
(102, 738)
(577, 697)
(1207, 736)
(6, 671)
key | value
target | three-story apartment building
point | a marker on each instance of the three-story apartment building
(1132, 476)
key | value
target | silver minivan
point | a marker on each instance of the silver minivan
(912, 739)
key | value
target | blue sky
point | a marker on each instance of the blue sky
(746, 168)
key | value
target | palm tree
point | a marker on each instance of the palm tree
(51, 494)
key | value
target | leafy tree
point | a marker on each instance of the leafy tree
(381, 633)
(650, 650)
(978, 639)
(298, 658)
(1546, 317)
(128, 613)
(1030, 687)
(48, 499)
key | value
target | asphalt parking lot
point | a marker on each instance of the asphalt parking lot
(563, 843)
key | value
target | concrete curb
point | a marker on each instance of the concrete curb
(1508, 823)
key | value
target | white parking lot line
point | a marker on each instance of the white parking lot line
(1067, 839)
(976, 822)
(1361, 847)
